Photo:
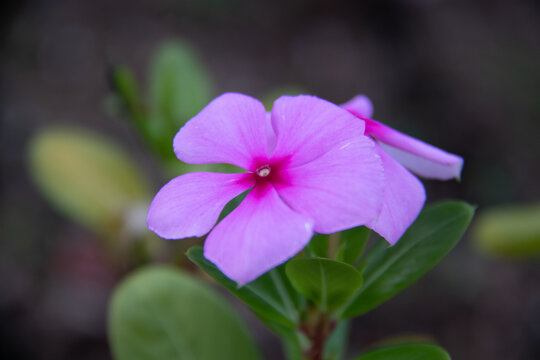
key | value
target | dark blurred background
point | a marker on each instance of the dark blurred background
(463, 75)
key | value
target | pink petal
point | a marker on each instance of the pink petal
(360, 105)
(404, 197)
(307, 127)
(421, 158)
(341, 189)
(231, 129)
(189, 205)
(261, 233)
(270, 133)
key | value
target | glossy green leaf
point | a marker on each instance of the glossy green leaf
(407, 352)
(179, 84)
(388, 270)
(511, 231)
(270, 296)
(161, 313)
(328, 283)
(352, 243)
(87, 178)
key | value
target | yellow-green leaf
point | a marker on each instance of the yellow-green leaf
(88, 178)
(511, 231)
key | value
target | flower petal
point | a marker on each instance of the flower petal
(261, 233)
(423, 159)
(341, 189)
(270, 133)
(360, 105)
(404, 197)
(307, 127)
(231, 129)
(189, 205)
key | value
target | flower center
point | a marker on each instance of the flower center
(263, 171)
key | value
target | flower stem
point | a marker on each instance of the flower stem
(333, 245)
(318, 329)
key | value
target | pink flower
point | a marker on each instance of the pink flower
(310, 169)
(404, 194)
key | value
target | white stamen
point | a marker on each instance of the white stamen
(263, 171)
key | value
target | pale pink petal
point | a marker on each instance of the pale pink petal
(360, 105)
(339, 190)
(189, 205)
(307, 127)
(421, 158)
(231, 129)
(404, 197)
(261, 233)
(270, 133)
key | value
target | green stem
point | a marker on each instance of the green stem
(333, 245)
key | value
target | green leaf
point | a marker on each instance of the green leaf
(511, 231)
(294, 342)
(336, 345)
(271, 96)
(179, 84)
(270, 296)
(352, 243)
(328, 283)
(391, 269)
(86, 177)
(161, 313)
(233, 204)
(126, 88)
(318, 245)
(407, 352)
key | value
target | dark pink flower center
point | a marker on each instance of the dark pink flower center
(269, 171)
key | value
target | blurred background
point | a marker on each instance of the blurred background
(462, 75)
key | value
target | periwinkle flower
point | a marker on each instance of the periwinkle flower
(309, 169)
(404, 194)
